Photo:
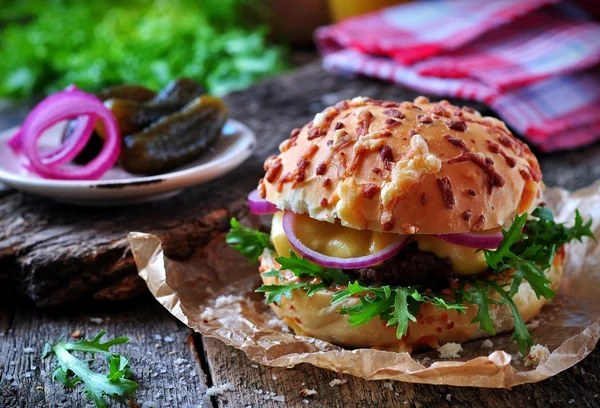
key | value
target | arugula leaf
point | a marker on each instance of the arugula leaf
(271, 274)
(494, 258)
(396, 306)
(313, 288)
(302, 266)
(401, 314)
(275, 292)
(367, 308)
(247, 241)
(71, 370)
(521, 333)
(479, 295)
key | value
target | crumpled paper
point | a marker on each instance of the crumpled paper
(213, 293)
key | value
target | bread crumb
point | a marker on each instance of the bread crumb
(538, 354)
(389, 385)
(219, 390)
(337, 381)
(226, 300)
(307, 393)
(450, 350)
(275, 323)
(533, 324)
(487, 344)
(207, 314)
(76, 334)
(448, 397)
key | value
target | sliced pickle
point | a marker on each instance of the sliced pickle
(135, 93)
(175, 139)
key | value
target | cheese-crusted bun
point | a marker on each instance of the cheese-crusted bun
(404, 167)
(315, 317)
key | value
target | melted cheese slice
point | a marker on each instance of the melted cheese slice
(465, 261)
(329, 239)
(343, 242)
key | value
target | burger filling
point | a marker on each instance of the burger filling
(410, 266)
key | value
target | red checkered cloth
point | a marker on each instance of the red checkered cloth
(535, 66)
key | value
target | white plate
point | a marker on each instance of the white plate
(117, 187)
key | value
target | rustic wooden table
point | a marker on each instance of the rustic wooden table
(56, 254)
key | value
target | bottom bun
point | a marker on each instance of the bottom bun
(316, 317)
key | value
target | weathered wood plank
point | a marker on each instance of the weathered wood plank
(162, 378)
(576, 387)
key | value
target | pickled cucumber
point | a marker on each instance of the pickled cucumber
(175, 139)
(135, 93)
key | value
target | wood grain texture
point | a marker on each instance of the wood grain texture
(162, 379)
(54, 253)
(576, 387)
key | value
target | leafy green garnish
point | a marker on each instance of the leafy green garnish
(395, 305)
(301, 267)
(275, 292)
(528, 249)
(47, 45)
(71, 370)
(525, 253)
(249, 242)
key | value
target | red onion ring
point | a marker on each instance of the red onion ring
(65, 105)
(470, 240)
(259, 205)
(56, 156)
(73, 145)
(289, 219)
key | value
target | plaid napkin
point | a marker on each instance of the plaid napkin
(534, 63)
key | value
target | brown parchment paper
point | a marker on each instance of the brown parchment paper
(216, 277)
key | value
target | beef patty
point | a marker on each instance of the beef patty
(410, 266)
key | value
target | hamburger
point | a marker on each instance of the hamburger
(405, 225)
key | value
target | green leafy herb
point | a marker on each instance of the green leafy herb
(72, 370)
(528, 249)
(47, 45)
(301, 267)
(395, 305)
(275, 292)
(249, 242)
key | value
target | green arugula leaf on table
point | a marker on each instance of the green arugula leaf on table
(72, 370)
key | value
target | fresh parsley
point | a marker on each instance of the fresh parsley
(247, 241)
(72, 370)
